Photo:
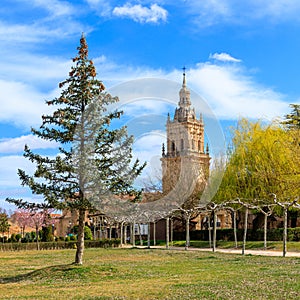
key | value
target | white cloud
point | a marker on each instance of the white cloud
(40, 21)
(146, 106)
(225, 57)
(10, 184)
(27, 81)
(141, 14)
(21, 104)
(148, 148)
(275, 10)
(28, 68)
(212, 12)
(232, 93)
(55, 8)
(102, 7)
(9, 168)
(13, 145)
(228, 90)
(39, 31)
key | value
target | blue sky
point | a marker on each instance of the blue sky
(241, 58)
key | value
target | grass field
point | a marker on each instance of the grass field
(147, 274)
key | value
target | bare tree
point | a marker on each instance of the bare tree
(285, 206)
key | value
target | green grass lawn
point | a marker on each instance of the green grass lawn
(147, 274)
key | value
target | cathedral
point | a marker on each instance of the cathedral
(184, 155)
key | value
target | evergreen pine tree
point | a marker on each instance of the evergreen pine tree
(292, 120)
(4, 225)
(94, 160)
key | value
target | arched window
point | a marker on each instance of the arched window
(173, 146)
(199, 146)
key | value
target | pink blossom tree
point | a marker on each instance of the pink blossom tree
(39, 219)
(22, 218)
(35, 218)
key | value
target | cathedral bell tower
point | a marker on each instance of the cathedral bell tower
(185, 146)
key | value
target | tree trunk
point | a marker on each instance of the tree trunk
(187, 232)
(265, 230)
(234, 229)
(110, 231)
(100, 229)
(167, 232)
(133, 234)
(215, 230)
(121, 234)
(209, 232)
(171, 229)
(245, 231)
(154, 233)
(148, 237)
(285, 233)
(125, 234)
(140, 235)
(80, 238)
(94, 229)
(37, 238)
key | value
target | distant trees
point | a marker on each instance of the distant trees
(22, 218)
(39, 219)
(33, 218)
(4, 225)
(292, 120)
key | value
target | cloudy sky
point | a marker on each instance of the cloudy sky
(241, 59)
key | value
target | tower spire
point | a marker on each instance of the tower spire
(184, 80)
(184, 95)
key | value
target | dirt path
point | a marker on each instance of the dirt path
(234, 251)
(254, 252)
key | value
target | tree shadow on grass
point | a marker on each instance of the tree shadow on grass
(59, 272)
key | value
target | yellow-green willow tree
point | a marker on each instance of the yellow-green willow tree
(264, 160)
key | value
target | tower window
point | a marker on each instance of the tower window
(173, 147)
(193, 144)
(199, 146)
(182, 144)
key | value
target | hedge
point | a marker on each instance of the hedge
(105, 243)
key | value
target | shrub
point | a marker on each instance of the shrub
(27, 238)
(88, 233)
(13, 238)
(18, 237)
(47, 235)
(106, 243)
(73, 237)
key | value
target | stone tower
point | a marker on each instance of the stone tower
(184, 158)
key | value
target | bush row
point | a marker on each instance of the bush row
(252, 235)
(105, 243)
